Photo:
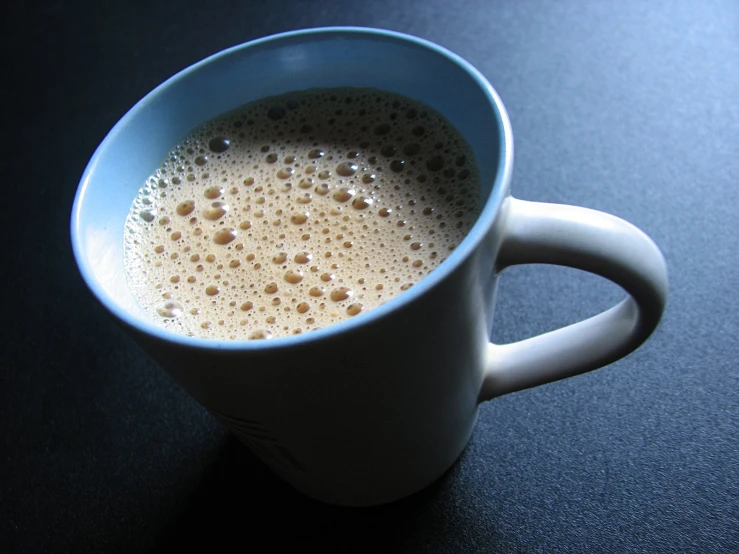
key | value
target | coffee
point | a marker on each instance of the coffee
(298, 211)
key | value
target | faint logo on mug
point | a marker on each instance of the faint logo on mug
(260, 440)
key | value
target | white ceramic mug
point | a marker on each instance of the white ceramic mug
(375, 408)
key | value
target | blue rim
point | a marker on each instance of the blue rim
(484, 222)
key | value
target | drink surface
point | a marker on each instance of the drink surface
(298, 211)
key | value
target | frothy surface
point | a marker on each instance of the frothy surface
(298, 211)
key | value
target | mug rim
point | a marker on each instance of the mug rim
(498, 192)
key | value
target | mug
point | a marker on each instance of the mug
(375, 408)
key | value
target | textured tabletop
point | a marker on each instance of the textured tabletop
(630, 107)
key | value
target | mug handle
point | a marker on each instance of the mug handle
(535, 232)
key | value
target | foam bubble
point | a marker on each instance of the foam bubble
(213, 192)
(344, 194)
(185, 208)
(346, 169)
(224, 236)
(397, 166)
(148, 215)
(216, 211)
(362, 202)
(294, 276)
(436, 163)
(341, 293)
(170, 309)
(299, 218)
(354, 309)
(219, 144)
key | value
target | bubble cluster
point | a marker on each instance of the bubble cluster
(298, 211)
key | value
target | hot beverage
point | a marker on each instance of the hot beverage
(298, 211)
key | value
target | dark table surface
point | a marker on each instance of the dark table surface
(631, 107)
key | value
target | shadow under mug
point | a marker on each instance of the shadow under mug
(375, 408)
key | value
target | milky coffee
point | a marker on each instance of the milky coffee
(298, 211)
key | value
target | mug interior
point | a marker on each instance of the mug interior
(317, 58)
